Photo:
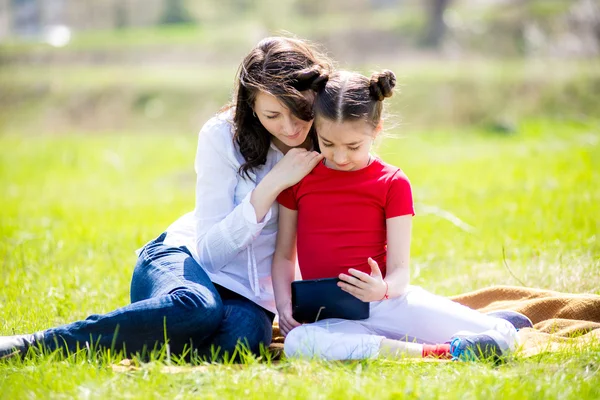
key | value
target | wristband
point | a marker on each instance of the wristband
(385, 295)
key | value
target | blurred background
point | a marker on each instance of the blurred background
(167, 65)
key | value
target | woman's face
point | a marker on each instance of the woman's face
(288, 130)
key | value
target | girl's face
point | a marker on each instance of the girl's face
(288, 130)
(345, 145)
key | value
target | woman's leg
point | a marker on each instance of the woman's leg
(172, 297)
(244, 322)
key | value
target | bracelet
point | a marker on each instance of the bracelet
(385, 296)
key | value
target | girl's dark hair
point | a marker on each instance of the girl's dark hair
(350, 96)
(282, 67)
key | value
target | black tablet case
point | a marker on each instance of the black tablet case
(310, 296)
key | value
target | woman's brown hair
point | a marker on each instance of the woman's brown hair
(282, 67)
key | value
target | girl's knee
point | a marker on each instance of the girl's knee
(311, 341)
(300, 341)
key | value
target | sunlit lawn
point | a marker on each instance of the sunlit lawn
(492, 208)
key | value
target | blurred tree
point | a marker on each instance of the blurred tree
(26, 17)
(436, 27)
(5, 18)
(120, 16)
(309, 7)
(175, 12)
(242, 5)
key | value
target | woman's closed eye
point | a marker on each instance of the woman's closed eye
(272, 116)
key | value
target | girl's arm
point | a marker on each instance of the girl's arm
(284, 266)
(398, 254)
(373, 287)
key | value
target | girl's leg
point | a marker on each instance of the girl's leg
(399, 327)
(338, 339)
(172, 297)
(332, 339)
(426, 318)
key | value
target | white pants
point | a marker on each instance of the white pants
(417, 316)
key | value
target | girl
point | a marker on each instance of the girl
(351, 217)
(206, 281)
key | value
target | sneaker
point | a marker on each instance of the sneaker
(467, 346)
(518, 320)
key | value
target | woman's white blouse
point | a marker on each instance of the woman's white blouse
(222, 232)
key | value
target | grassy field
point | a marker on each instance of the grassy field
(76, 206)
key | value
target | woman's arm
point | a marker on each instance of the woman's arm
(287, 172)
(222, 228)
(283, 267)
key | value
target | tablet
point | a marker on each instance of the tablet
(317, 299)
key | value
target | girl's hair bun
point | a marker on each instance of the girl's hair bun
(313, 78)
(382, 84)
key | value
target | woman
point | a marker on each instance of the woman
(205, 282)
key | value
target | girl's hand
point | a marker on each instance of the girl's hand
(362, 286)
(286, 321)
(294, 166)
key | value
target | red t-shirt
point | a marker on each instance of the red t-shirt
(342, 216)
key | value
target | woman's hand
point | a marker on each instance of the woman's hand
(363, 286)
(294, 166)
(286, 321)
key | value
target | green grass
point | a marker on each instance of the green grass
(529, 200)
(75, 207)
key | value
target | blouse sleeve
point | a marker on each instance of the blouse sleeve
(222, 228)
(399, 199)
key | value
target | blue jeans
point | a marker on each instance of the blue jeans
(172, 297)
